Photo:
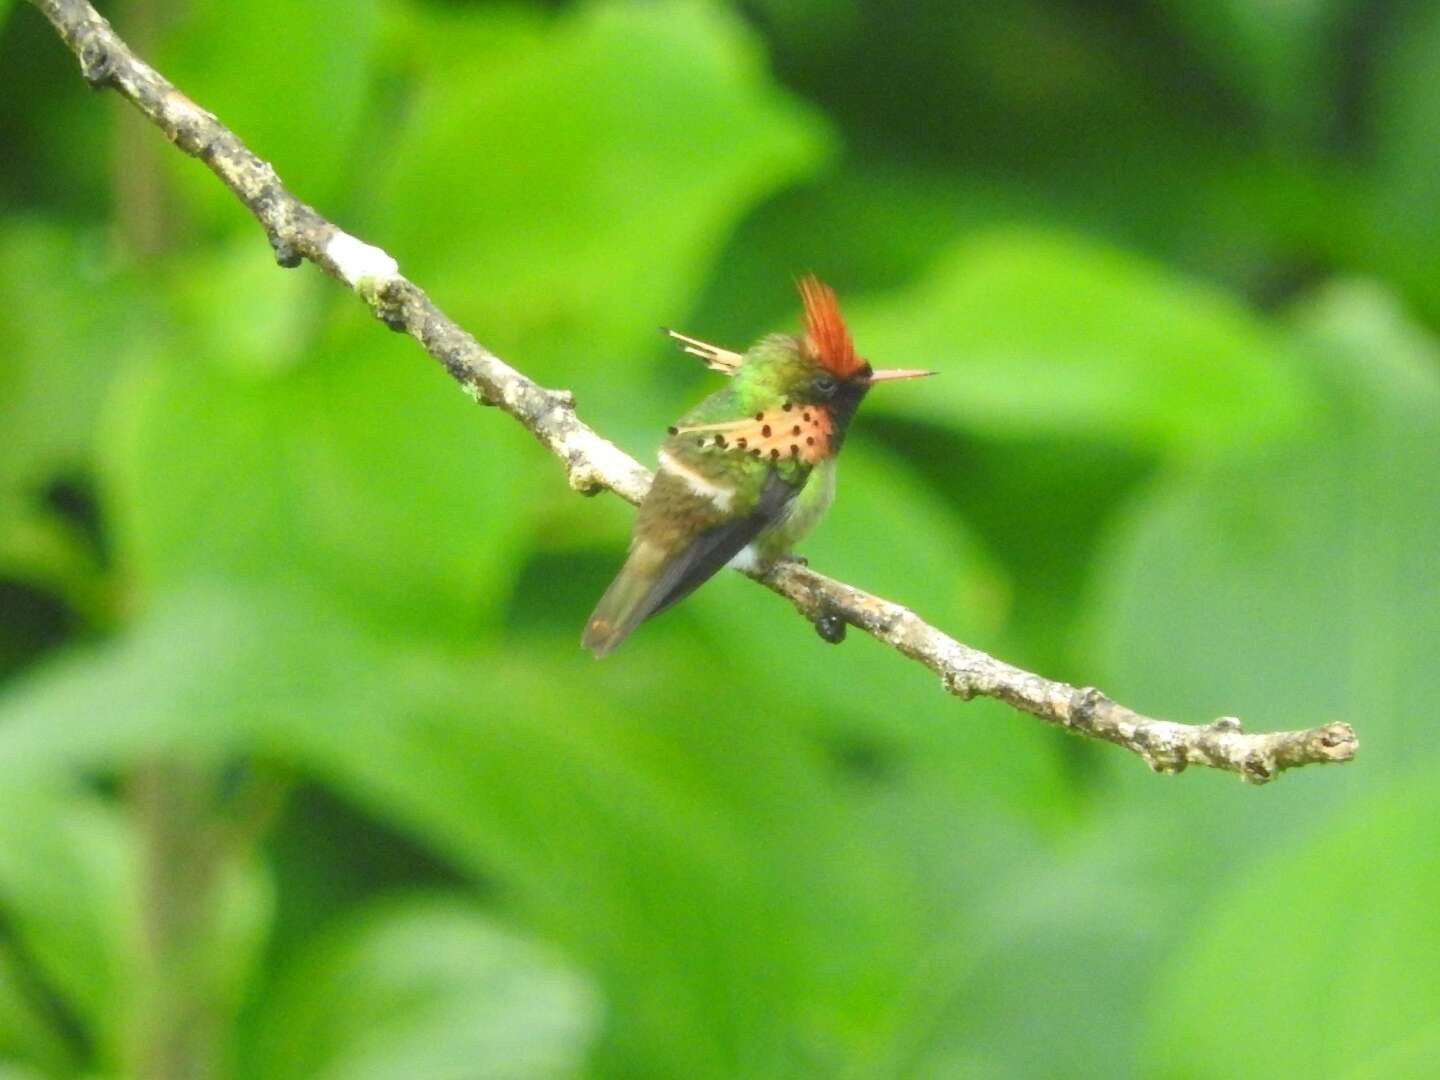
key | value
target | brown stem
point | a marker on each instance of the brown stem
(177, 1017)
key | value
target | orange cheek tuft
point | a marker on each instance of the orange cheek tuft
(773, 436)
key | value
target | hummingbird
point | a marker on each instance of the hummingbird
(747, 472)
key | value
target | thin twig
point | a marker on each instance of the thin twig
(593, 464)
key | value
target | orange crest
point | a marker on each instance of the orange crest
(825, 334)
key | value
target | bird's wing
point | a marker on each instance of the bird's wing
(643, 589)
(715, 547)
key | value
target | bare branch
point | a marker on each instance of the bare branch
(592, 464)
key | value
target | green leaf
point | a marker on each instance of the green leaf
(654, 823)
(28, 1031)
(1284, 58)
(240, 313)
(1034, 333)
(562, 195)
(676, 844)
(61, 355)
(75, 319)
(1296, 586)
(422, 987)
(362, 474)
(65, 884)
(1063, 930)
(1320, 962)
(72, 888)
(293, 81)
(1409, 1056)
(1405, 237)
(896, 220)
(203, 671)
(1289, 585)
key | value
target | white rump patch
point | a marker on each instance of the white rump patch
(745, 559)
(721, 496)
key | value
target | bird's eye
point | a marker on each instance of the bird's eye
(825, 385)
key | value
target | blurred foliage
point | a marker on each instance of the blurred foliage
(304, 771)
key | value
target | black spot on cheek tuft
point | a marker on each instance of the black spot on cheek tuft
(672, 430)
(787, 406)
(759, 416)
(795, 430)
(774, 453)
(810, 440)
(720, 441)
(741, 442)
(756, 451)
(794, 450)
(765, 431)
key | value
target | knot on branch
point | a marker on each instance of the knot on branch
(561, 400)
(286, 253)
(389, 306)
(1258, 767)
(1085, 701)
(194, 128)
(96, 65)
(960, 683)
(1164, 753)
(474, 391)
(582, 475)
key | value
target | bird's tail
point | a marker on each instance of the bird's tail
(629, 601)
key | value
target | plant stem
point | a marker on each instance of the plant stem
(177, 1018)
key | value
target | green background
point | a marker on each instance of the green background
(302, 770)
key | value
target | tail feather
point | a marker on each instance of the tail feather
(625, 605)
(652, 578)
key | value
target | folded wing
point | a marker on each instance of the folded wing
(657, 574)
